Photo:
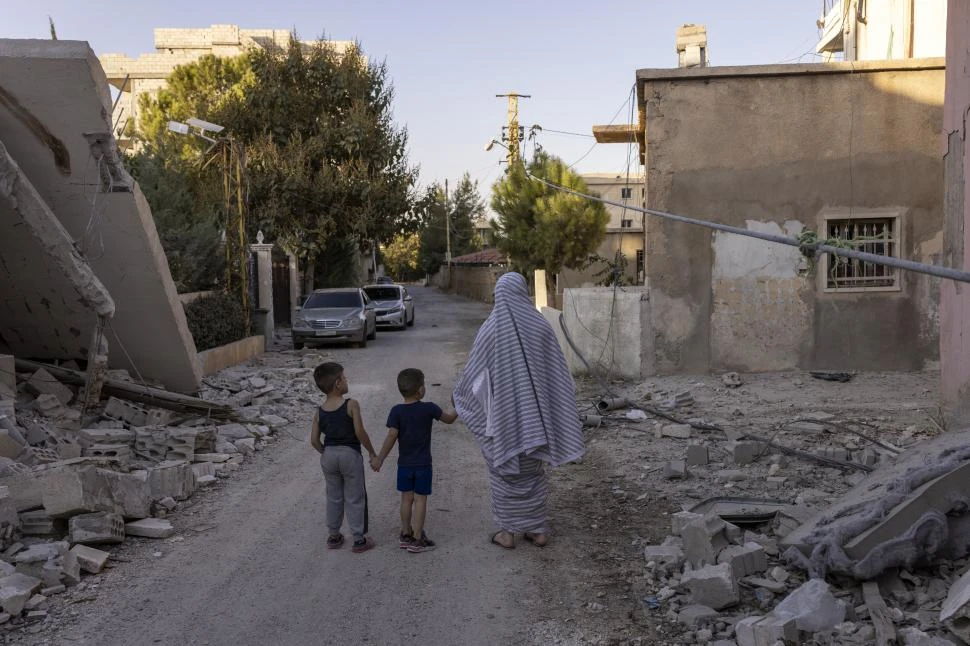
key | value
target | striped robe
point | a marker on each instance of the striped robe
(518, 399)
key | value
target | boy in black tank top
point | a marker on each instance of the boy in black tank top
(338, 422)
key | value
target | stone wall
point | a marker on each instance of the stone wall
(776, 149)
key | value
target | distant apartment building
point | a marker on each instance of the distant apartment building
(871, 30)
(147, 74)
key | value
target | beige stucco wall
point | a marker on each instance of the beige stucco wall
(770, 148)
(955, 298)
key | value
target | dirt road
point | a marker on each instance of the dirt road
(251, 566)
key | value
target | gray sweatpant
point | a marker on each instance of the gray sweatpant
(343, 471)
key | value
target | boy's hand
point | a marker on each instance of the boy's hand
(375, 463)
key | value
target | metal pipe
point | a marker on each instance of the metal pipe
(612, 403)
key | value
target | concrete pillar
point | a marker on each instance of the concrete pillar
(955, 297)
(295, 301)
(264, 278)
(542, 291)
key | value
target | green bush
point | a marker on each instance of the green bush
(215, 320)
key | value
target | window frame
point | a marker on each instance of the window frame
(626, 192)
(844, 213)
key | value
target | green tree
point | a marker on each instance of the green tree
(325, 160)
(401, 257)
(464, 206)
(540, 227)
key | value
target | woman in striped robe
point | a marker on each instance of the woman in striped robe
(518, 399)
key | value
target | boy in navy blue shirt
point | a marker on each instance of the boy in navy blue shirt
(409, 424)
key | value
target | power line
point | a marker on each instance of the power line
(629, 100)
(804, 246)
(566, 132)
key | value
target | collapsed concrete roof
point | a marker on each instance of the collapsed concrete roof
(54, 126)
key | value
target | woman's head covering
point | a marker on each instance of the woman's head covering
(516, 394)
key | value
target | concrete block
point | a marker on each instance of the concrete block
(212, 457)
(207, 481)
(745, 452)
(126, 411)
(150, 528)
(39, 523)
(131, 493)
(158, 417)
(675, 469)
(43, 382)
(775, 482)
(91, 560)
(731, 475)
(9, 446)
(119, 452)
(766, 631)
(813, 606)
(172, 479)
(100, 527)
(247, 446)
(275, 422)
(26, 489)
(697, 455)
(679, 431)
(16, 590)
(680, 519)
(89, 436)
(70, 566)
(68, 492)
(744, 560)
(713, 585)
(704, 538)
(152, 442)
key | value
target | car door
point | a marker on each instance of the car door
(370, 312)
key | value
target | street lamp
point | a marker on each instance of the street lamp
(234, 194)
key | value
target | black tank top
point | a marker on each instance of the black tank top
(337, 428)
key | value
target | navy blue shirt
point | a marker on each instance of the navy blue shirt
(413, 423)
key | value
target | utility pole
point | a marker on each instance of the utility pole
(513, 134)
(447, 228)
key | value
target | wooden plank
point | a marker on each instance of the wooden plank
(879, 614)
(616, 134)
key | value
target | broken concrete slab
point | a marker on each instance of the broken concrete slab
(704, 538)
(892, 517)
(100, 527)
(91, 560)
(247, 446)
(678, 431)
(672, 555)
(745, 452)
(680, 519)
(955, 614)
(89, 436)
(212, 457)
(697, 455)
(766, 631)
(744, 560)
(67, 492)
(713, 585)
(43, 382)
(673, 470)
(16, 590)
(131, 493)
(201, 469)
(150, 528)
(813, 606)
(232, 432)
(695, 615)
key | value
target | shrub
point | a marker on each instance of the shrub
(214, 320)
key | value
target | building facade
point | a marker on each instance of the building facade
(847, 150)
(146, 74)
(866, 30)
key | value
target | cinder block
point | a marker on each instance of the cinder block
(126, 411)
(744, 560)
(89, 436)
(713, 585)
(745, 452)
(39, 523)
(119, 452)
(704, 538)
(152, 442)
(100, 527)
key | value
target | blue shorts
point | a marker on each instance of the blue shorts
(416, 479)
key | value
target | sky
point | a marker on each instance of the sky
(448, 60)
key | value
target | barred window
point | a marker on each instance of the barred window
(875, 235)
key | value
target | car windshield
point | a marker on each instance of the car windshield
(383, 293)
(332, 299)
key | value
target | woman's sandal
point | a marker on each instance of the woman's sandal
(495, 540)
(532, 539)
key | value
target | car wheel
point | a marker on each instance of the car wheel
(403, 325)
(373, 334)
(297, 345)
(362, 343)
(411, 322)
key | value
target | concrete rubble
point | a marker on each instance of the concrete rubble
(786, 560)
(78, 480)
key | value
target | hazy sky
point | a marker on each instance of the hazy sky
(448, 59)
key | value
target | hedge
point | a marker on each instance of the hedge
(215, 320)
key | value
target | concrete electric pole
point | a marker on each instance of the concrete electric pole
(513, 132)
(447, 227)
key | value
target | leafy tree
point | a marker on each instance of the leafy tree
(540, 227)
(401, 257)
(465, 206)
(325, 160)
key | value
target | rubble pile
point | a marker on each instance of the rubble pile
(76, 480)
(815, 531)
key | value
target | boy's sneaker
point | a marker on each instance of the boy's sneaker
(423, 544)
(362, 545)
(334, 541)
(405, 540)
